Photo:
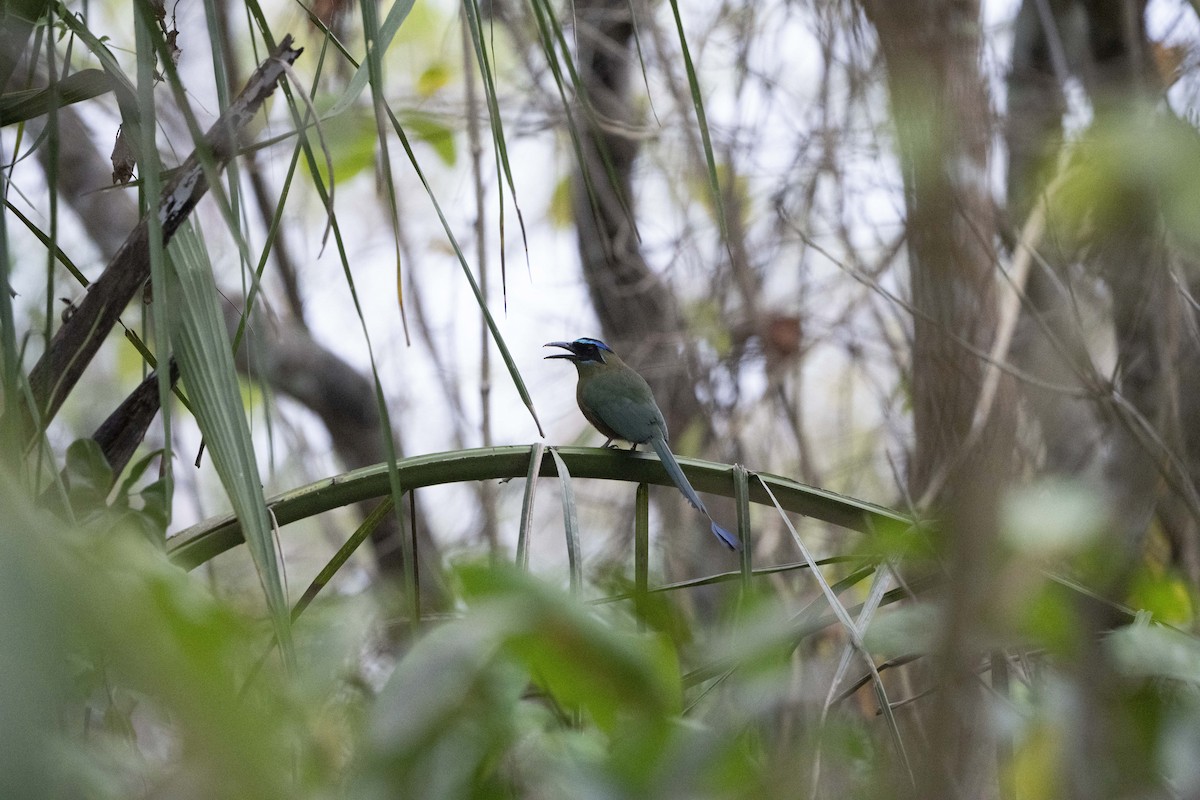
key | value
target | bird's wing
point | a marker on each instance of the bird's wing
(626, 412)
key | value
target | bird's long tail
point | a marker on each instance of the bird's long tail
(684, 485)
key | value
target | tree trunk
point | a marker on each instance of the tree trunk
(941, 111)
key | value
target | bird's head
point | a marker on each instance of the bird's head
(582, 351)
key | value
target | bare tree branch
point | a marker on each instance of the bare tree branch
(80, 337)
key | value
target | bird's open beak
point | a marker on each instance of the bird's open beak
(564, 345)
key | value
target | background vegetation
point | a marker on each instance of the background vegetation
(931, 257)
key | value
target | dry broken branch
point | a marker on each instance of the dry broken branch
(80, 337)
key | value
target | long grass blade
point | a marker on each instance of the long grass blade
(74, 88)
(348, 548)
(562, 68)
(391, 473)
(386, 31)
(536, 452)
(383, 34)
(374, 64)
(701, 122)
(875, 596)
(570, 523)
(641, 553)
(843, 617)
(499, 143)
(741, 497)
(171, 327)
(202, 348)
(480, 300)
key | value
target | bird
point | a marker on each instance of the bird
(618, 402)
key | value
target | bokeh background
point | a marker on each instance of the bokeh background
(935, 257)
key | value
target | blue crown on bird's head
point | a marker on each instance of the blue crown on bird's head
(594, 343)
(581, 350)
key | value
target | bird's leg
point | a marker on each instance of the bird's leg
(608, 444)
(633, 446)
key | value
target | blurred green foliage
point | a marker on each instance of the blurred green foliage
(127, 677)
(88, 483)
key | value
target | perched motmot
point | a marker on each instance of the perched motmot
(619, 403)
